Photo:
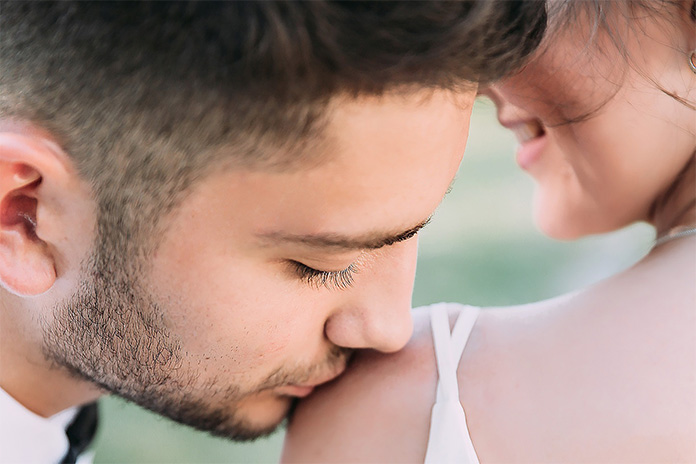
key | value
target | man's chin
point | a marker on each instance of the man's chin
(250, 432)
(243, 419)
(258, 416)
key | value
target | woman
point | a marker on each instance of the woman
(606, 119)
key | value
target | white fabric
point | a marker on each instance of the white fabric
(449, 441)
(26, 437)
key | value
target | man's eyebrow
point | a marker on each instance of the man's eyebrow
(369, 241)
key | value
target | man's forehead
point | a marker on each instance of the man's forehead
(337, 238)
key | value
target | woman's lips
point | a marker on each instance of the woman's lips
(530, 151)
(526, 131)
(531, 137)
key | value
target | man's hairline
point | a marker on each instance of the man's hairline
(316, 142)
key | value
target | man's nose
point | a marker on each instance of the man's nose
(377, 312)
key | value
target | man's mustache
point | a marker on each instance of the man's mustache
(336, 361)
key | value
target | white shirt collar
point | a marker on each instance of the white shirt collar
(28, 437)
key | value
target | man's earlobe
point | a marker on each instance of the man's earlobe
(26, 264)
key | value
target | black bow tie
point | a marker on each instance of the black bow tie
(80, 432)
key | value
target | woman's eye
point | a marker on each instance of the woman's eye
(341, 280)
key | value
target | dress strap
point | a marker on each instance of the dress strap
(449, 441)
(462, 329)
(447, 373)
(450, 346)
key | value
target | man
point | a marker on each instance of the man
(204, 207)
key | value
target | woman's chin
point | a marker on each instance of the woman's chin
(559, 225)
(567, 228)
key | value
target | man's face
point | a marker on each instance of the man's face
(264, 282)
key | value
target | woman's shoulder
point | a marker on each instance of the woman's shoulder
(601, 374)
(377, 411)
(579, 377)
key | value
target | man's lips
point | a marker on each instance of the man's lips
(298, 391)
(306, 388)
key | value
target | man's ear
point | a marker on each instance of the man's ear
(27, 266)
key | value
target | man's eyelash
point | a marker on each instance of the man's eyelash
(340, 280)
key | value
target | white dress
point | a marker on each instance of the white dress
(449, 440)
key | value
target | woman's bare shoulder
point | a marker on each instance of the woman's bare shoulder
(603, 374)
(378, 411)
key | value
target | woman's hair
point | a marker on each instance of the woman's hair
(612, 20)
(605, 27)
(140, 94)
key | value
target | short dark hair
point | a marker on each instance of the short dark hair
(141, 93)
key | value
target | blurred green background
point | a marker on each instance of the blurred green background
(482, 248)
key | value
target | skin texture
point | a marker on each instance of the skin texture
(606, 374)
(219, 329)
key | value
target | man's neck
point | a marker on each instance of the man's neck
(29, 378)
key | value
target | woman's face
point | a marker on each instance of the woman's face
(605, 171)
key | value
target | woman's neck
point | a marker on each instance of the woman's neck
(677, 206)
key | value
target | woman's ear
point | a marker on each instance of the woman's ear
(27, 266)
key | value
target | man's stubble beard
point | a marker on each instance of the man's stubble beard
(112, 333)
